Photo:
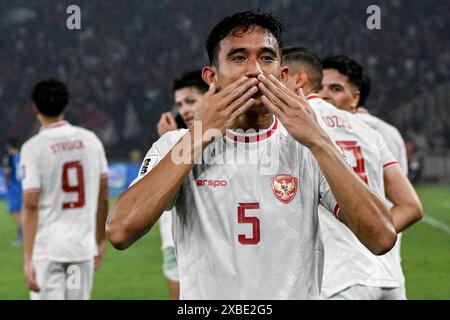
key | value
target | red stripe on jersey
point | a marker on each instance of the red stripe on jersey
(248, 138)
(389, 164)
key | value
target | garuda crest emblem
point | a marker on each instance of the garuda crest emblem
(285, 187)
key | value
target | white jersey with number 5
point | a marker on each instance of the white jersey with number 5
(64, 163)
(347, 261)
(246, 225)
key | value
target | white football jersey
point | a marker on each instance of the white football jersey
(347, 261)
(396, 145)
(246, 225)
(64, 163)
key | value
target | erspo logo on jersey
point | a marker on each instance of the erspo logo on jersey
(211, 183)
(284, 187)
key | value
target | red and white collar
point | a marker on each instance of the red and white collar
(55, 125)
(253, 137)
(313, 96)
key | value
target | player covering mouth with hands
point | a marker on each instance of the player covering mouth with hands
(245, 241)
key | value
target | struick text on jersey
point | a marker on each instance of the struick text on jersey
(67, 146)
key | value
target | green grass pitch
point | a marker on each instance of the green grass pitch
(136, 272)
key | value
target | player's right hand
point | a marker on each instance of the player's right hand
(166, 123)
(30, 277)
(221, 109)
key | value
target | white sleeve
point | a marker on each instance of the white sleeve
(387, 159)
(29, 169)
(156, 153)
(102, 156)
(400, 151)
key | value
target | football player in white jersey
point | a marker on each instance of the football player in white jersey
(365, 282)
(247, 202)
(396, 145)
(188, 94)
(65, 201)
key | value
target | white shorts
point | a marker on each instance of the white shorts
(359, 292)
(63, 280)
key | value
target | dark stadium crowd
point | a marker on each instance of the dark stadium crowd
(120, 66)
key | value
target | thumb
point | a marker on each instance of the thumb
(300, 92)
(171, 119)
(211, 90)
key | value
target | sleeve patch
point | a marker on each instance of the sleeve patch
(148, 164)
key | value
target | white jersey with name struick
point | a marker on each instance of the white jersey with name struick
(397, 146)
(246, 224)
(64, 163)
(347, 261)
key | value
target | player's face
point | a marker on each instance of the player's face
(337, 90)
(248, 54)
(187, 100)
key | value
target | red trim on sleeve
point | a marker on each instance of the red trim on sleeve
(336, 210)
(29, 190)
(390, 164)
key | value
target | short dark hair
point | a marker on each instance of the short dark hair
(191, 79)
(365, 90)
(13, 142)
(239, 23)
(50, 97)
(346, 66)
(296, 54)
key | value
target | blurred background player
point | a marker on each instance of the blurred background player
(65, 201)
(188, 94)
(342, 85)
(13, 185)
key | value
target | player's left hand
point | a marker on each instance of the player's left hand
(293, 110)
(166, 123)
(101, 253)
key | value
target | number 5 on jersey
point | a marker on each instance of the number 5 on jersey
(254, 221)
(78, 187)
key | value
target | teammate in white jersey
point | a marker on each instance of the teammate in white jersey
(366, 280)
(396, 145)
(247, 203)
(391, 135)
(188, 95)
(65, 201)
